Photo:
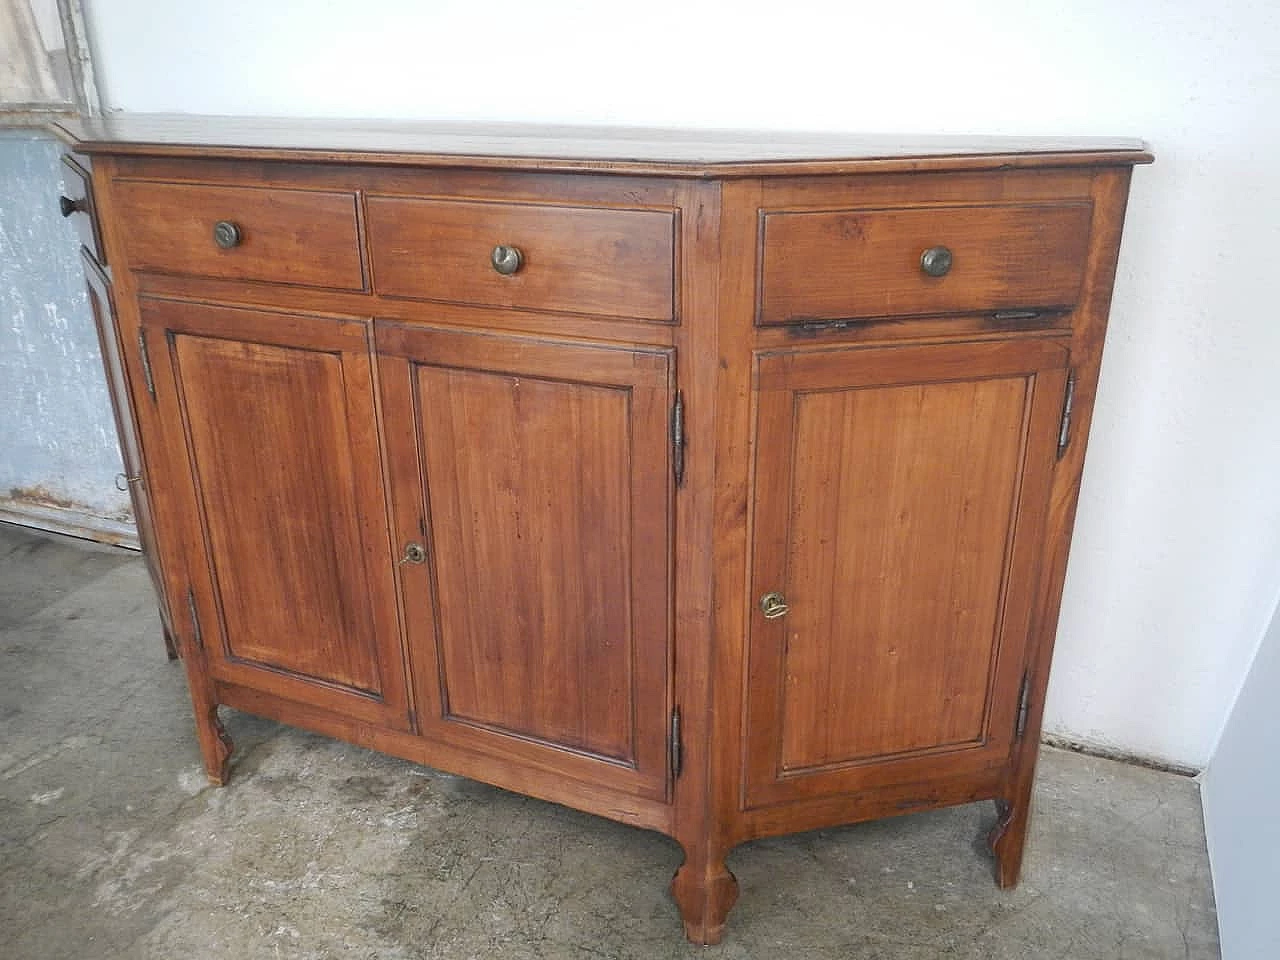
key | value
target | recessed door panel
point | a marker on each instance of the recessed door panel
(534, 601)
(900, 493)
(102, 305)
(276, 415)
(540, 625)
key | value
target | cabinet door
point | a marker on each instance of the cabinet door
(901, 495)
(102, 304)
(536, 474)
(273, 419)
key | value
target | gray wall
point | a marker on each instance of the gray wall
(57, 438)
(1239, 790)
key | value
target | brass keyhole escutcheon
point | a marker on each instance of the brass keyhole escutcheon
(773, 605)
(414, 553)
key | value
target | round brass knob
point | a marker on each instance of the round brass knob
(67, 206)
(506, 259)
(227, 234)
(773, 605)
(936, 261)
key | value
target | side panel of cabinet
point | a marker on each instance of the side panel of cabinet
(537, 474)
(901, 495)
(275, 414)
(102, 304)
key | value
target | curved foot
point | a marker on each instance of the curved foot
(1006, 840)
(216, 745)
(705, 895)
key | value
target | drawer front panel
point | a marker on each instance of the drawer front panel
(78, 184)
(284, 236)
(864, 264)
(583, 260)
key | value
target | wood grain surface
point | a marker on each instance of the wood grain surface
(541, 478)
(516, 146)
(820, 265)
(892, 487)
(136, 476)
(354, 381)
(275, 414)
(580, 260)
(289, 236)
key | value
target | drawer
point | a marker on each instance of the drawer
(240, 233)
(76, 203)
(855, 264)
(583, 260)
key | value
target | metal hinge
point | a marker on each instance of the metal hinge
(197, 634)
(146, 364)
(1024, 704)
(677, 438)
(822, 326)
(1010, 316)
(674, 745)
(1064, 428)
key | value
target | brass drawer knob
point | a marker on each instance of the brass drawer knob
(226, 234)
(773, 605)
(506, 259)
(67, 206)
(936, 261)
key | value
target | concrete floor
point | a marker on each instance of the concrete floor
(112, 845)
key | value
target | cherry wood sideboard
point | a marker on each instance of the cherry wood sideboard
(718, 484)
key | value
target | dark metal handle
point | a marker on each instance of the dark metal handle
(774, 605)
(506, 259)
(226, 234)
(68, 206)
(936, 261)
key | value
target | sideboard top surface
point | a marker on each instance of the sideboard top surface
(628, 150)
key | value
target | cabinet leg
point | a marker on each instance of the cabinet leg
(704, 890)
(170, 645)
(216, 745)
(1007, 839)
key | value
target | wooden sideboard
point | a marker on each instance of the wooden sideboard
(717, 484)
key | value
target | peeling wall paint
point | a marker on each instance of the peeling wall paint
(57, 435)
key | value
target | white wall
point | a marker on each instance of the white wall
(1239, 791)
(1177, 551)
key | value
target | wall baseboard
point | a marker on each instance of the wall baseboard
(70, 522)
(1118, 754)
